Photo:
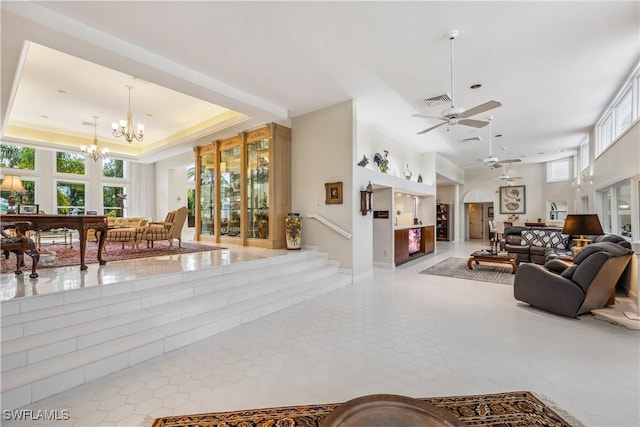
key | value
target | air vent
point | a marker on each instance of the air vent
(88, 124)
(471, 139)
(437, 100)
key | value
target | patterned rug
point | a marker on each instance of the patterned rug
(457, 267)
(519, 408)
(114, 252)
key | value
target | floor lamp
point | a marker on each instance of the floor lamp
(12, 184)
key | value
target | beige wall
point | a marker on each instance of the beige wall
(323, 151)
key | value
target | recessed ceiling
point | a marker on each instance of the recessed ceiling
(53, 105)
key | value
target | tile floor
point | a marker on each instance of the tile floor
(398, 332)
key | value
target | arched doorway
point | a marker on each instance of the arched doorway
(476, 206)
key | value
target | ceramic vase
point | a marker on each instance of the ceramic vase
(293, 228)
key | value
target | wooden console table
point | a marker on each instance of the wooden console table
(81, 223)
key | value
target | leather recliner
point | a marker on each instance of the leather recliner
(573, 289)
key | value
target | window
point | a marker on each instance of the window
(113, 200)
(604, 135)
(605, 201)
(624, 113)
(558, 171)
(72, 163)
(26, 198)
(15, 157)
(70, 198)
(621, 113)
(584, 155)
(113, 168)
(623, 210)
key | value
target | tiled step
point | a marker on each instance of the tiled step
(148, 321)
(33, 348)
(121, 298)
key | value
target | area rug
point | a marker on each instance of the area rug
(485, 272)
(518, 408)
(114, 252)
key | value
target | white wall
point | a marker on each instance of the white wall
(171, 183)
(323, 151)
(382, 231)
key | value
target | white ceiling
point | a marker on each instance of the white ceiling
(554, 66)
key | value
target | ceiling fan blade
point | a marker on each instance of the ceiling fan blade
(431, 128)
(424, 116)
(480, 109)
(511, 161)
(494, 165)
(473, 123)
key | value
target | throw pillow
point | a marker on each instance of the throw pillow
(528, 238)
(556, 240)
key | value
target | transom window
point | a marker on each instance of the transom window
(558, 170)
(14, 157)
(72, 163)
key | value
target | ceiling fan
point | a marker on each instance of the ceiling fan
(504, 177)
(456, 115)
(492, 161)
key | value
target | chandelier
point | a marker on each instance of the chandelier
(125, 127)
(93, 151)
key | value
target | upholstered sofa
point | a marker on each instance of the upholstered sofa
(536, 244)
(540, 244)
(574, 287)
(133, 222)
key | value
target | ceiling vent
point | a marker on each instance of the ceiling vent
(471, 139)
(437, 100)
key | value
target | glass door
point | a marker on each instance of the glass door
(207, 194)
(230, 192)
(258, 189)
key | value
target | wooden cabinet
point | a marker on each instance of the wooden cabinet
(411, 243)
(442, 222)
(243, 190)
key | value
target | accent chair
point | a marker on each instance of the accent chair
(573, 287)
(13, 239)
(169, 229)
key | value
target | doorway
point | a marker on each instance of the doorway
(476, 221)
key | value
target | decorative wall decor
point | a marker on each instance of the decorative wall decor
(333, 193)
(407, 173)
(382, 161)
(513, 199)
(364, 162)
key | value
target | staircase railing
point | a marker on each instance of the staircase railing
(344, 233)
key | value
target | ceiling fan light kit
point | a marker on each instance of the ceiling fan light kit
(456, 115)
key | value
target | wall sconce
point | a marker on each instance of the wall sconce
(588, 178)
(366, 199)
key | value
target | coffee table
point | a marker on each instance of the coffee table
(497, 259)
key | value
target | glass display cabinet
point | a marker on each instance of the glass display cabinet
(250, 195)
(230, 182)
(258, 189)
(205, 191)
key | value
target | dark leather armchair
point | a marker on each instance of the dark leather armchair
(571, 289)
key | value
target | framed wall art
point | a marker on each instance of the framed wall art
(513, 200)
(28, 209)
(333, 193)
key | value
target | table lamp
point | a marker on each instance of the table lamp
(581, 225)
(12, 184)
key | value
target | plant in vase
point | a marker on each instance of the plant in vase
(407, 173)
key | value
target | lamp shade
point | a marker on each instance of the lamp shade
(12, 183)
(582, 224)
